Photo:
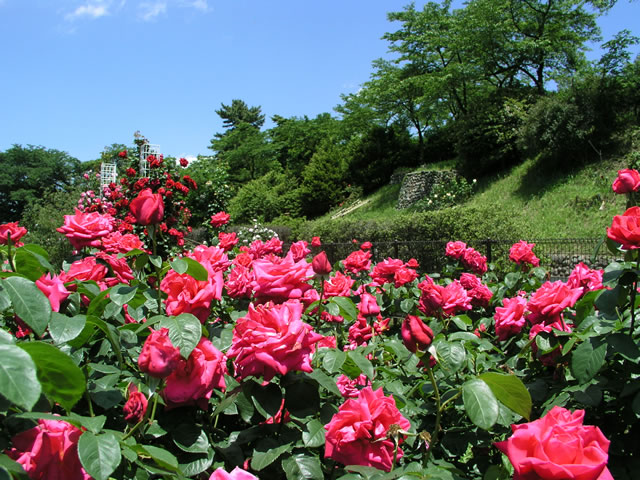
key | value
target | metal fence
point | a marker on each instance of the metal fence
(559, 256)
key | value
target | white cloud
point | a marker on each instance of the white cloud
(90, 10)
(149, 11)
(197, 4)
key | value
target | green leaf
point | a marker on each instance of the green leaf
(266, 452)
(29, 303)
(18, 380)
(510, 391)
(99, 454)
(302, 398)
(7, 338)
(333, 360)
(587, 358)
(624, 345)
(162, 457)
(12, 469)
(512, 279)
(156, 260)
(325, 381)
(62, 380)
(64, 329)
(348, 309)
(193, 464)
(313, 435)
(93, 424)
(302, 467)
(191, 438)
(480, 403)
(28, 265)
(185, 331)
(122, 294)
(452, 355)
(267, 399)
(190, 267)
(362, 362)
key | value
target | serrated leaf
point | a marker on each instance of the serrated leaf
(348, 309)
(122, 294)
(191, 438)
(64, 329)
(162, 457)
(480, 403)
(18, 380)
(313, 435)
(267, 452)
(185, 331)
(333, 360)
(510, 391)
(362, 362)
(29, 303)
(99, 454)
(325, 381)
(302, 467)
(587, 358)
(61, 379)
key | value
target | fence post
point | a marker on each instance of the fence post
(395, 249)
(488, 242)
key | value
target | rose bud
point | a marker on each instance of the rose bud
(136, 405)
(147, 208)
(416, 335)
(158, 357)
(320, 264)
(368, 305)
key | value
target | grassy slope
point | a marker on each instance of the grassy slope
(554, 205)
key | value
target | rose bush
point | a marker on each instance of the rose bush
(132, 363)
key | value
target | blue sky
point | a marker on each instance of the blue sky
(78, 75)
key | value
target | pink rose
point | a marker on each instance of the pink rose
(522, 254)
(116, 242)
(49, 451)
(349, 388)
(136, 405)
(227, 241)
(437, 300)
(185, 294)
(281, 281)
(119, 267)
(193, 380)
(403, 276)
(86, 269)
(158, 357)
(360, 332)
(368, 305)
(53, 287)
(315, 242)
(550, 300)
(239, 283)
(583, 276)
(13, 231)
(338, 286)
(510, 318)
(627, 181)
(86, 229)
(558, 447)
(213, 259)
(479, 292)
(357, 434)
(416, 335)
(474, 261)
(299, 250)
(147, 207)
(625, 229)
(219, 219)
(366, 246)
(236, 474)
(455, 249)
(357, 261)
(272, 340)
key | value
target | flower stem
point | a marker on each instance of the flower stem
(436, 428)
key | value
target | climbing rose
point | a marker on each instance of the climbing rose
(557, 447)
(357, 434)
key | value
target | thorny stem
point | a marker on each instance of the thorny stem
(434, 436)
(9, 244)
(152, 230)
(634, 290)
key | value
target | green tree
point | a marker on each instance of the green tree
(26, 173)
(240, 113)
(213, 193)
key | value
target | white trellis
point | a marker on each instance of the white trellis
(108, 174)
(146, 150)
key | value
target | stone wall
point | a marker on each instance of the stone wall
(418, 185)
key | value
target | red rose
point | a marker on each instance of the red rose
(479, 292)
(366, 246)
(53, 287)
(315, 242)
(281, 281)
(219, 219)
(184, 162)
(384, 271)
(625, 229)
(116, 242)
(360, 332)
(349, 388)
(272, 340)
(214, 259)
(158, 357)
(510, 318)
(130, 172)
(416, 335)
(550, 300)
(13, 231)
(239, 283)
(136, 405)
(358, 433)
(185, 294)
(368, 305)
(474, 261)
(558, 447)
(147, 207)
(437, 300)
(338, 285)
(227, 240)
(357, 261)
(320, 264)
(122, 154)
(455, 249)
(49, 451)
(86, 269)
(86, 229)
(583, 276)
(193, 380)
(627, 181)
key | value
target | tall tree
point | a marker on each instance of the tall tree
(238, 113)
(26, 173)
